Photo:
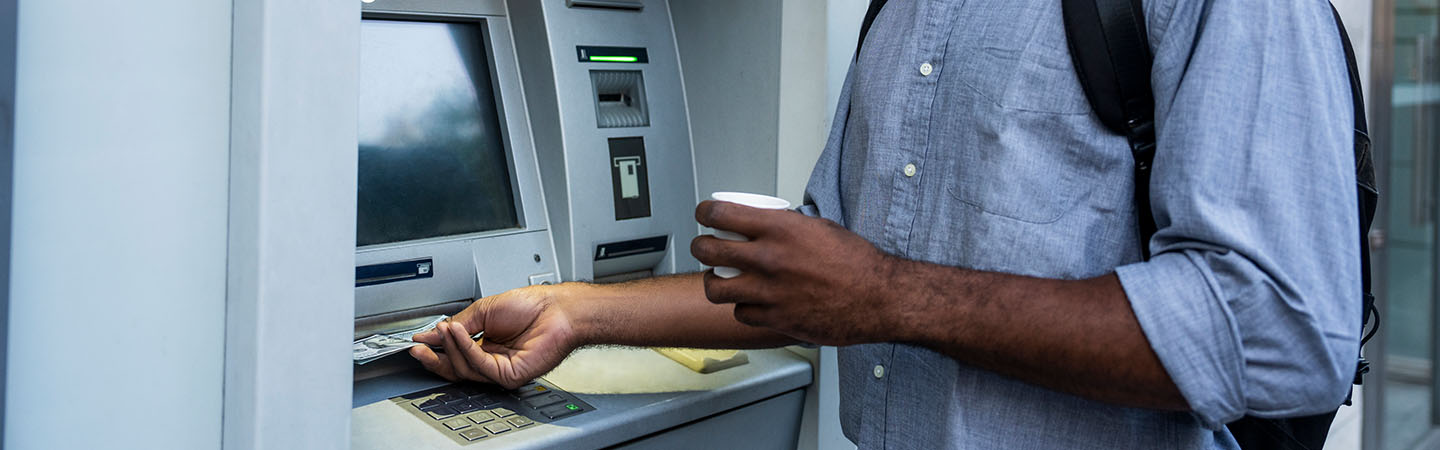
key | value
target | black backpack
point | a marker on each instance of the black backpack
(1111, 52)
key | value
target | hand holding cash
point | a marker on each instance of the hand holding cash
(381, 345)
(528, 331)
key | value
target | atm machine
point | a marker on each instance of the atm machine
(539, 141)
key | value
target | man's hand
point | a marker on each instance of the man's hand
(807, 278)
(815, 281)
(527, 333)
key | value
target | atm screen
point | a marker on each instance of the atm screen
(432, 158)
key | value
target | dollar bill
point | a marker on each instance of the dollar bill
(379, 346)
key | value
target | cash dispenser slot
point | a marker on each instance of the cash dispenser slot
(635, 255)
(394, 272)
(619, 99)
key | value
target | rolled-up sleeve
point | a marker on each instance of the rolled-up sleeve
(1252, 298)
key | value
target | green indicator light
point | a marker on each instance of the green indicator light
(572, 407)
(614, 58)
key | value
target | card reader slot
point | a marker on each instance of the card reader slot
(628, 5)
(394, 271)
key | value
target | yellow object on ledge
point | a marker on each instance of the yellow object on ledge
(705, 361)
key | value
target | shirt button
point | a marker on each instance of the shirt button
(909, 170)
(879, 371)
(925, 69)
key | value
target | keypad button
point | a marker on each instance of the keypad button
(443, 412)
(474, 434)
(481, 417)
(531, 390)
(484, 400)
(465, 406)
(521, 421)
(556, 412)
(542, 401)
(427, 404)
(502, 412)
(455, 424)
(448, 399)
(498, 427)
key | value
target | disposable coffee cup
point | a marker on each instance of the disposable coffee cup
(747, 199)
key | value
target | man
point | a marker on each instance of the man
(970, 242)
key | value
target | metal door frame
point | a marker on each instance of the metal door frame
(8, 22)
(1380, 102)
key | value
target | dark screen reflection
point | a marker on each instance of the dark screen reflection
(432, 162)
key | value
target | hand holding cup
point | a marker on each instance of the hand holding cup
(747, 199)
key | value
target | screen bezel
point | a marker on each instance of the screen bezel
(524, 181)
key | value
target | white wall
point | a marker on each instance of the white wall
(729, 58)
(842, 24)
(803, 102)
(117, 305)
(1359, 18)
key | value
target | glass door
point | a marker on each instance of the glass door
(1401, 411)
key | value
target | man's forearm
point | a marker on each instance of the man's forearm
(1075, 336)
(666, 311)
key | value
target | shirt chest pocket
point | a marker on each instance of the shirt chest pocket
(1013, 54)
(1020, 130)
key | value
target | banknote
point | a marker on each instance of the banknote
(379, 346)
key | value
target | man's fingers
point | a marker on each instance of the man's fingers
(482, 363)
(453, 349)
(432, 361)
(752, 315)
(429, 337)
(473, 316)
(745, 288)
(714, 251)
(752, 222)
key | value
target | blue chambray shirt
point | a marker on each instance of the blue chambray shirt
(963, 138)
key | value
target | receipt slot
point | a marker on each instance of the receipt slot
(630, 182)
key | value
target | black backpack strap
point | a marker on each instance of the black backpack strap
(1111, 52)
(1367, 194)
(870, 14)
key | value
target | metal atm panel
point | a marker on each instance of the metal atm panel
(608, 107)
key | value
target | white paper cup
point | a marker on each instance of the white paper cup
(747, 199)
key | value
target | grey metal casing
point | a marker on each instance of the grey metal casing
(7, 171)
(573, 150)
(472, 265)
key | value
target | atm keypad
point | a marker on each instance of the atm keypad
(474, 434)
(473, 412)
